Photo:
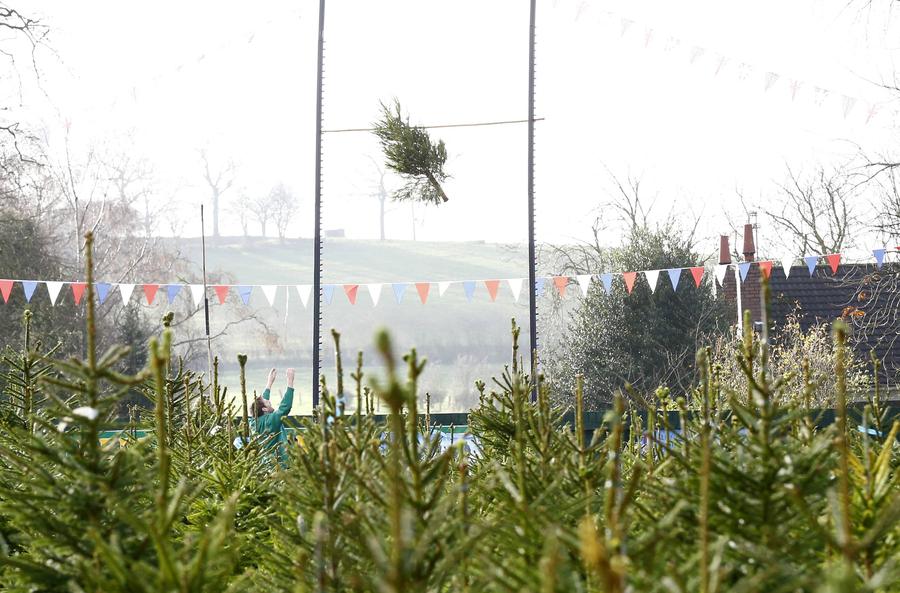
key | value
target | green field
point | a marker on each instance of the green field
(463, 340)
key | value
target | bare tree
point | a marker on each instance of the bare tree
(219, 181)
(132, 182)
(22, 35)
(817, 213)
(261, 207)
(380, 193)
(240, 207)
(284, 206)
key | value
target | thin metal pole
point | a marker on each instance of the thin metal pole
(206, 297)
(317, 253)
(532, 256)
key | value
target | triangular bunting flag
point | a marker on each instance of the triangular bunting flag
(244, 292)
(102, 291)
(53, 289)
(879, 257)
(674, 277)
(629, 278)
(422, 288)
(787, 262)
(269, 290)
(744, 269)
(78, 291)
(399, 289)
(697, 273)
(811, 261)
(374, 293)
(561, 282)
(834, 260)
(125, 291)
(442, 287)
(515, 287)
(771, 79)
(328, 293)
(5, 289)
(492, 287)
(149, 292)
(172, 291)
(221, 291)
(721, 270)
(539, 287)
(607, 279)
(29, 287)
(766, 268)
(652, 278)
(584, 281)
(197, 294)
(350, 290)
(469, 288)
(304, 291)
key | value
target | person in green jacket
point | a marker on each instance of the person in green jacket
(268, 421)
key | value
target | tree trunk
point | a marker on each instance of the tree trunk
(381, 216)
(215, 204)
(262, 227)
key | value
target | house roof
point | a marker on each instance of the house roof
(823, 297)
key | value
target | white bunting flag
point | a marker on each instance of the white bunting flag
(53, 288)
(721, 270)
(197, 294)
(374, 292)
(652, 279)
(786, 262)
(125, 290)
(584, 281)
(303, 291)
(849, 102)
(442, 287)
(515, 286)
(269, 290)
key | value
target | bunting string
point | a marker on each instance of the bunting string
(767, 80)
(424, 291)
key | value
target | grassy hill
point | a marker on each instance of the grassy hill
(464, 340)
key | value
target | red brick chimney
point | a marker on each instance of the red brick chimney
(749, 246)
(724, 250)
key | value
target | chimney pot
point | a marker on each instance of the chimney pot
(724, 250)
(749, 246)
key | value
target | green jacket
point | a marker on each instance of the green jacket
(271, 424)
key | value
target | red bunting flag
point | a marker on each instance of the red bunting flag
(149, 292)
(697, 273)
(350, 290)
(6, 288)
(834, 260)
(78, 291)
(492, 287)
(629, 277)
(561, 283)
(766, 268)
(221, 292)
(423, 288)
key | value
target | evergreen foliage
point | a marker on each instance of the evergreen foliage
(745, 493)
(410, 152)
(644, 338)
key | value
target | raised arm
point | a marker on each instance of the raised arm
(288, 400)
(269, 382)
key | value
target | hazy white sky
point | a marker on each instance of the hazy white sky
(631, 86)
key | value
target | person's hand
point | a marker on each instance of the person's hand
(290, 377)
(272, 374)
